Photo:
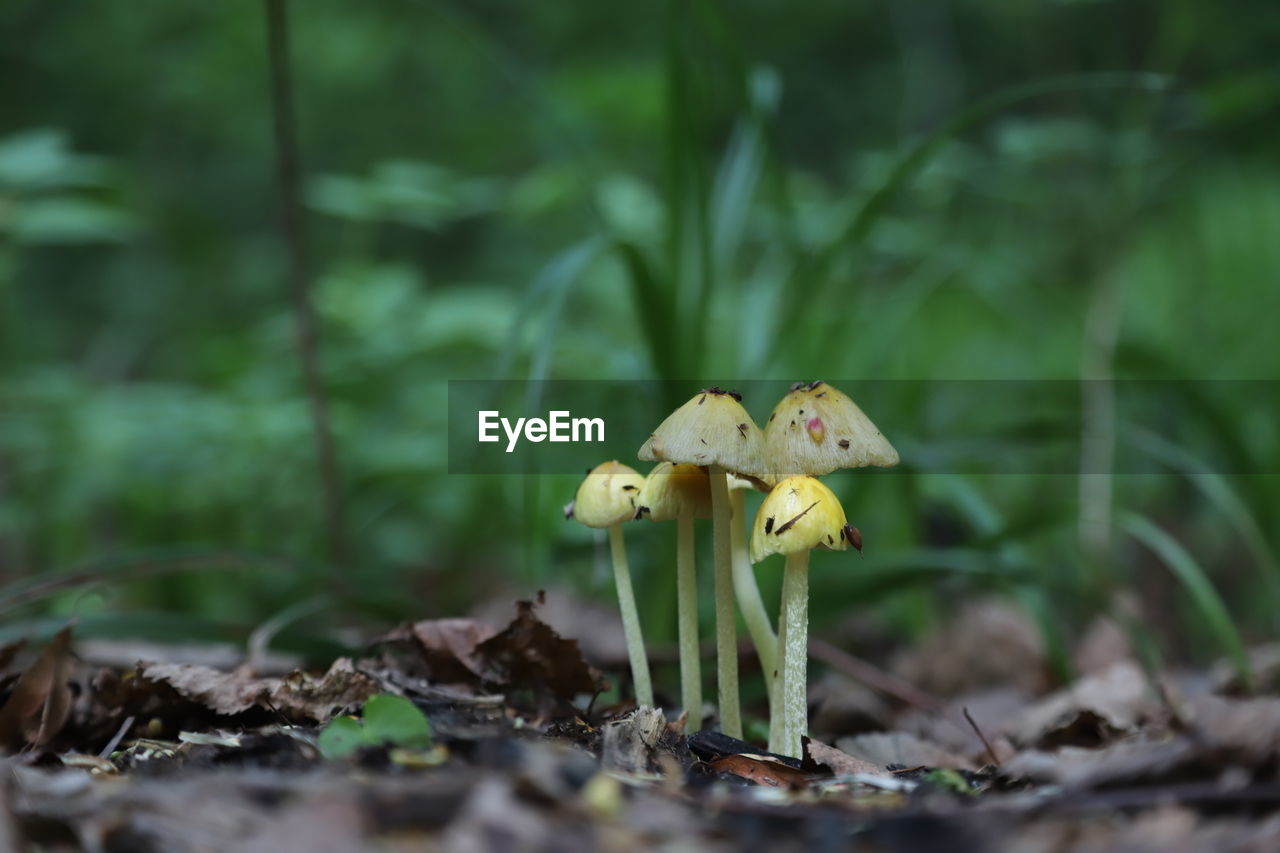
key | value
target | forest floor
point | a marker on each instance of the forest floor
(962, 743)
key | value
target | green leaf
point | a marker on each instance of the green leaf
(395, 720)
(386, 721)
(342, 737)
(951, 780)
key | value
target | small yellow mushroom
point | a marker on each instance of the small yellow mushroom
(682, 493)
(607, 498)
(816, 429)
(798, 515)
(714, 430)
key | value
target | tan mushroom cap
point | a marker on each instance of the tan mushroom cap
(607, 495)
(674, 491)
(800, 513)
(816, 429)
(711, 429)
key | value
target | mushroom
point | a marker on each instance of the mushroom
(799, 514)
(682, 493)
(745, 588)
(713, 430)
(606, 498)
(816, 429)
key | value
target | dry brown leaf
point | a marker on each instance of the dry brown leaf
(1094, 710)
(342, 689)
(761, 771)
(838, 761)
(901, 748)
(225, 693)
(637, 742)
(297, 695)
(38, 707)
(448, 647)
(529, 654)
(1125, 763)
(597, 627)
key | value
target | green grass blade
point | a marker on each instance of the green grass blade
(1198, 586)
(655, 306)
(1218, 490)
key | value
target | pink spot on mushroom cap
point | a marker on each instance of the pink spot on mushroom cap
(816, 430)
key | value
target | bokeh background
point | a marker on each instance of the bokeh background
(1067, 190)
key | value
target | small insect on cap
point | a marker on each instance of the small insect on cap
(710, 429)
(816, 429)
(607, 495)
(674, 491)
(800, 513)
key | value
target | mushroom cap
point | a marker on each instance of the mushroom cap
(607, 495)
(800, 513)
(816, 429)
(711, 429)
(673, 491)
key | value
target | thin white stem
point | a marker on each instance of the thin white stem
(726, 629)
(748, 593)
(630, 618)
(795, 653)
(687, 619)
(775, 697)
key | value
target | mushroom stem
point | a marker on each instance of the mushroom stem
(687, 618)
(775, 693)
(630, 618)
(726, 628)
(748, 594)
(793, 647)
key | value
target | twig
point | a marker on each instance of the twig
(307, 335)
(977, 731)
(119, 736)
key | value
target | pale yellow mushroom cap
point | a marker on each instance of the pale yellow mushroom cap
(607, 495)
(710, 429)
(673, 491)
(816, 429)
(800, 513)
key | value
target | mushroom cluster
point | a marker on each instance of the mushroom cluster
(709, 452)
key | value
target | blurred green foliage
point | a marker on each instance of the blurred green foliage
(895, 190)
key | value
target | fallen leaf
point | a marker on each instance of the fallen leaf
(883, 749)
(761, 770)
(448, 647)
(529, 654)
(1094, 710)
(297, 695)
(38, 707)
(838, 761)
(226, 693)
(637, 742)
(341, 689)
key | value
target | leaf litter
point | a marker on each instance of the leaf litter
(463, 734)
